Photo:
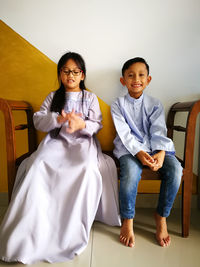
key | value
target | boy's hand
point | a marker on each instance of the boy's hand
(159, 159)
(145, 159)
(154, 162)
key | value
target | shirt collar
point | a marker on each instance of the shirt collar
(73, 95)
(136, 101)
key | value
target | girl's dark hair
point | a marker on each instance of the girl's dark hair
(132, 61)
(59, 97)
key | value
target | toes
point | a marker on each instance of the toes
(124, 240)
(128, 242)
(161, 243)
(131, 244)
(167, 241)
(164, 242)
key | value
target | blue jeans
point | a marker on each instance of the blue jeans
(130, 175)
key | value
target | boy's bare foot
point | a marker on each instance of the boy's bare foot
(162, 235)
(126, 234)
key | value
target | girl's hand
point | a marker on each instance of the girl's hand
(63, 117)
(75, 122)
(145, 159)
(159, 159)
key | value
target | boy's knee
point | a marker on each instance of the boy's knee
(130, 162)
(130, 168)
(172, 169)
(177, 173)
(173, 164)
(178, 170)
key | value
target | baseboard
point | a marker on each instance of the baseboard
(143, 201)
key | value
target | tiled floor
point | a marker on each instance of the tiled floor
(104, 250)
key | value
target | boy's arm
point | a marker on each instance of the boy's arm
(124, 131)
(158, 131)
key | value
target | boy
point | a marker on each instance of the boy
(141, 140)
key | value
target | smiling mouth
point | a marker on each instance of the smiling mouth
(70, 81)
(136, 85)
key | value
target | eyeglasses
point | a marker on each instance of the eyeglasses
(75, 72)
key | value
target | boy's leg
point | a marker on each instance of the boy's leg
(171, 173)
(130, 174)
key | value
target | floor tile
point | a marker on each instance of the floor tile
(184, 252)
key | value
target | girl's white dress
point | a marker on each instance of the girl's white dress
(60, 189)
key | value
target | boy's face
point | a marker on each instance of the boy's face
(136, 79)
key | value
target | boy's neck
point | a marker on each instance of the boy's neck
(135, 96)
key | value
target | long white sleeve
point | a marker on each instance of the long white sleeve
(45, 120)
(158, 131)
(124, 131)
(93, 119)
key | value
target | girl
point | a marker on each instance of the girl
(67, 182)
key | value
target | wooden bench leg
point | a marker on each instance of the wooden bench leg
(186, 203)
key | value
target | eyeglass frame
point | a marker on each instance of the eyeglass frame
(73, 72)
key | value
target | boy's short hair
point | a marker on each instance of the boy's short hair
(132, 61)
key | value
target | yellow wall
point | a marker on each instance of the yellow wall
(25, 74)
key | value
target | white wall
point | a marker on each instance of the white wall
(108, 32)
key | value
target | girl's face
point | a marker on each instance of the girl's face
(71, 76)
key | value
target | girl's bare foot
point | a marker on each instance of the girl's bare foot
(126, 234)
(162, 235)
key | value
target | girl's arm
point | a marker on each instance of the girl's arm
(94, 118)
(45, 120)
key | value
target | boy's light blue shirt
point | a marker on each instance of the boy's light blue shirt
(140, 125)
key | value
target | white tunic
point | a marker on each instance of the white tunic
(60, 189)
(140, 125)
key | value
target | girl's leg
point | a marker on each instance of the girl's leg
(130, 175)
(171, 173)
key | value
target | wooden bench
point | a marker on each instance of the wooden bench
(192, 109)
(7, 106)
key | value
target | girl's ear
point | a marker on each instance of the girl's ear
(82, 76)
(149, 78)
(122, 81)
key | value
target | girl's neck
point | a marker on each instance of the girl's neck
(72, 90)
